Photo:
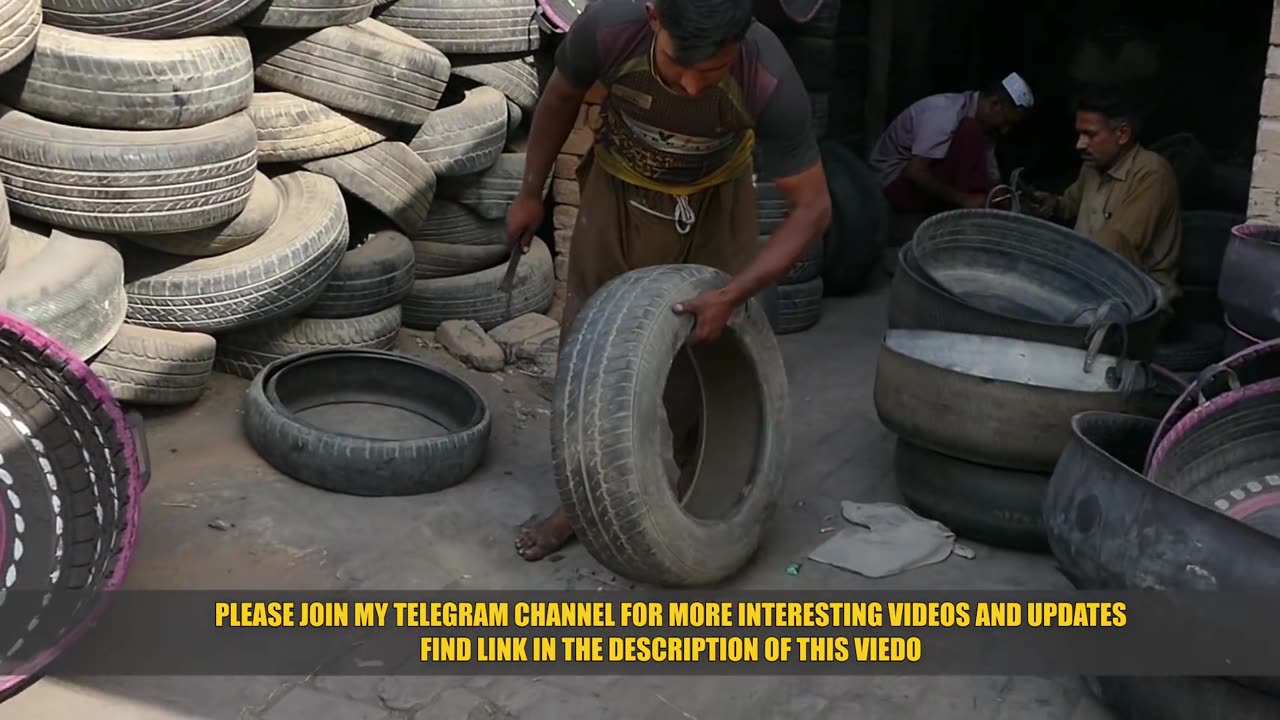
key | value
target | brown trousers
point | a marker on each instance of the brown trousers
(613, 236)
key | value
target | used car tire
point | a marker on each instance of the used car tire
(154, 19)
(799, 306)
(517, 79)
(290, 14)
(19, 26)
(491, 192)
(439, 260)
(295, 129)
(617, 357)
(467, 26)
(389, 177)
(993, 505)
(454, 224)
(465, 138)
(146, 366)
(245, 352)
(259, 214)
(74, 479)
(349, 463)
(371, 277)
(476, 296)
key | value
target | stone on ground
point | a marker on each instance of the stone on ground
(517, 331)
(468, 342)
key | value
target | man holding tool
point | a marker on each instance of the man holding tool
(692, 86)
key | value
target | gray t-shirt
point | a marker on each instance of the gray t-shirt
(924, 130)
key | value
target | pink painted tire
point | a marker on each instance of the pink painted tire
(71, 479)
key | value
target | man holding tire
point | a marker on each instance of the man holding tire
(692, 86)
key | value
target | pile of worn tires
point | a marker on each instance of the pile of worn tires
(1187, 502)
(1002, 327)
(199, 184)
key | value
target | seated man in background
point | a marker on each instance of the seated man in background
(939, 153)
(1126, 197)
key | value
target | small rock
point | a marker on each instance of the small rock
(522, 329)
(539, 353)
(467, 341)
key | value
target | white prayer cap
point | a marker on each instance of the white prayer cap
(1019, 90)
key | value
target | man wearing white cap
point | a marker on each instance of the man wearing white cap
(939, 153)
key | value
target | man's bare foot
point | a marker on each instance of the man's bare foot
(544, 537)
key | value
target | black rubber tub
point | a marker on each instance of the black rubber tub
(1236, 340)
(1205, 236)
(1247, 286)
(995, 273)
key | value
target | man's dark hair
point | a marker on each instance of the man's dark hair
(1115, 110)
(701, 28)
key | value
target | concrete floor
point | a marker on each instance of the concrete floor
(285, 535)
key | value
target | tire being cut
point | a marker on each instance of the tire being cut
(123, 181)
(246, 352)
(146, 366)
(367, 68)
(276, 275)
(606, 452)
(355, 465)
(258, 216)
(19, 26)
(465, 138)
(517, 79)
(490, 193)
(467, 26)
(388, 176)
(476, 296)
(70, 286)
(127, 84)
(799, 306)
(153, 19)
(993, 505)
(70, 511)
(371, 277)
(295, 129)
(300, 14)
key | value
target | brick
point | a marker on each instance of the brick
(1264, 205)
(562, 267)
(566, 166)
(563, 240)
(579, 142)
(1270, 105)
(1266, 171)
(556, 311)
(564, 217)
(566, 192)
(303, 703)
(1275, 25)
(1273, 62)
(1269, 135)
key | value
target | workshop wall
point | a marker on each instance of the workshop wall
(1264, 186)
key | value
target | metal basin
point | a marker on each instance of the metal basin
(1001, 401)
(917, 301)
(1247, 287)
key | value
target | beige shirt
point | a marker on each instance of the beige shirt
(1132, 209)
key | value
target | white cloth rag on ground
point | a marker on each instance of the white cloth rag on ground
(887, 539)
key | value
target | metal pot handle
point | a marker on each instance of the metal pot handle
(1208, 374)
(1097, 334)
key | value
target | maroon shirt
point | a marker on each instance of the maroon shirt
(610, 33)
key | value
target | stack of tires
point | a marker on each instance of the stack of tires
(201, 184)
(798, 303)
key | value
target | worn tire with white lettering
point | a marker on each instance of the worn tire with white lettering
(607, 446)
(127, 181)
(128, 84)
(477, 296)
(276, 275)
(247, 351)
(372, 276)
(72, 485)
(146, 366)
(367, 68)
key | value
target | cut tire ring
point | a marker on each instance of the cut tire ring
(357, 465)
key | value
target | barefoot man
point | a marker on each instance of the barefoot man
(693, 86)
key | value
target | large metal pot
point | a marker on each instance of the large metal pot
(1000, 401)
(995, 273)
(1247, 287)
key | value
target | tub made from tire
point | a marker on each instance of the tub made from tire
(1235, 340)
(1247, 285)
(73, 472)
(1254, 364)
(995, 273)
(353, 463)
(1001, 401)
(1111, 528)
(608, 422)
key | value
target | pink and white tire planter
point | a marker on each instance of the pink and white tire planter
(71, 478)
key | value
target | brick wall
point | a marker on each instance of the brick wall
(1264, 192)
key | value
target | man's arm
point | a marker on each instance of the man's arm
(577, 69)
(1068, 206)
(1131, 227)
(919, 171)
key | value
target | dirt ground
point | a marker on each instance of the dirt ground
(217, 517)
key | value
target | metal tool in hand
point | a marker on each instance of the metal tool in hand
(508, 282)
